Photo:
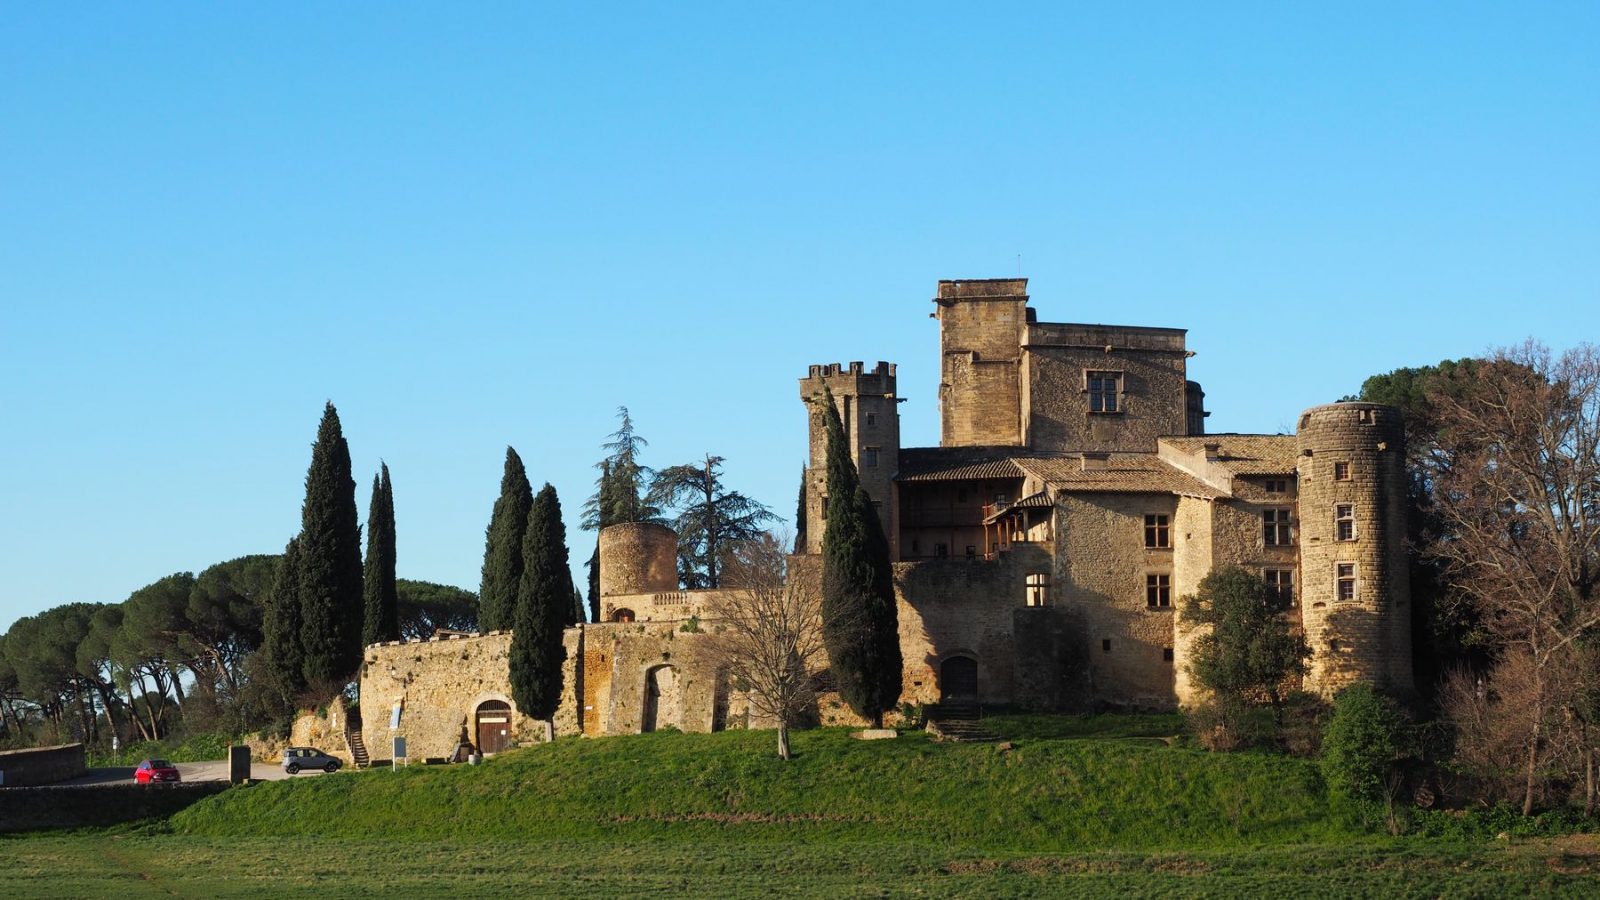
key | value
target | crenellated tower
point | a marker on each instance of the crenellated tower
(1356, 591)
(869, 411)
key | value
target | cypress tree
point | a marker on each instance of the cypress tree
(502, 552)
(330, 561)
(859, 620)
(800, 515)
(382, 600)
(544, 603)
(281, 657)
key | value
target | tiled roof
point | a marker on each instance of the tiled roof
(957, 463)
(1122, 473)
(1244, 454)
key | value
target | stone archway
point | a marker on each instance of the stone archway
(622, 615)
(492, 726)
(663, 700)
(958, 679)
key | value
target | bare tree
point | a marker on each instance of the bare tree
(1518, 487)
(767, 632)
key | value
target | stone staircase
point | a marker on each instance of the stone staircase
(354, 743)
(959, 721)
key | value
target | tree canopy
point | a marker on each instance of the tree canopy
(502, 552)
(544, 603)
(381, 602)
(709, 518)
(329, 565)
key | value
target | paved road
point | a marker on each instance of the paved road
(196, 771)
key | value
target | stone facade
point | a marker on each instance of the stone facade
(1043, 550)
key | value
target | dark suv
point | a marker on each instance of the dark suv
(297, 758)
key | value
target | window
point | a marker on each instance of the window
(1038, 588)
(915, 548)
(869, 458)
(824, 507)
(1341, 471)
(1158, 591)
(1367, 416)
(1281, 583)
(1345, 577)
(1105, 644)
(1166, 654)
(1157, 531)
(972, 551)
(1277, 486)
(942, 551)
(872, 418)
(1276, 531)
(1104, 389)
(1344, 522)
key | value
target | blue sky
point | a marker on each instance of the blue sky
(473, 225)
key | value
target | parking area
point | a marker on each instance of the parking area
(195, 771)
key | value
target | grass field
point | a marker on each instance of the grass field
(1091, 807)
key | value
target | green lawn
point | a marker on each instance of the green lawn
(1101, 806)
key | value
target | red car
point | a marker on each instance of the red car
(156, 771)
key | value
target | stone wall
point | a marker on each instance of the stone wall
(323, 730)
(41, 765)
(1101, 565)
(981, 328)
(1154, 387)
(97, 806)
(638, 558)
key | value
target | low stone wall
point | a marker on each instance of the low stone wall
(41, 765)
(95, 806)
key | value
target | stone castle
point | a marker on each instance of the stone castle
(1041, 551)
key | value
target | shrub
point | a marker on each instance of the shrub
(1362, 747)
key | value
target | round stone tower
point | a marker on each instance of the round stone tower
(1355, 589)
(638, 558)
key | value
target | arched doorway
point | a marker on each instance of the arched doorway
(663, 705)
(622, 615)
(493, 726)
(958, 679)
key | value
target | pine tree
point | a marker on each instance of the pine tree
(544, 603)
(710, 519)
(619, 495)
(382, 601)
(330, 561)
(502, 553)
(281, 657)
(859, 618)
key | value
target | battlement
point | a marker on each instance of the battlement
(829, 370)
(982, 289)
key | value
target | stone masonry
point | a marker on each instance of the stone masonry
(1043, 549)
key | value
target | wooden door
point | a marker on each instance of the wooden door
(494, 726)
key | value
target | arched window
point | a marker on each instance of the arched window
(622, 615)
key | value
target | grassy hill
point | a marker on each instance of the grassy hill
(1099, 806)
(1084, 788)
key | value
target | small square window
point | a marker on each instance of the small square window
(1277, 486)
(972, 551)
(1166, 654)
(942, 551)
(1105, 645)
(869, 458)
(1038, 588)
(1104, 390)
(872, 418)
(1281, 583)
(1344, 521)
(1158, 591)
(1366, 416)
(1157, 531)
(1276, 530)
(1341, 471)
(1345, 577)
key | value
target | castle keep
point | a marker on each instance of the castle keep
(1041, 550)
